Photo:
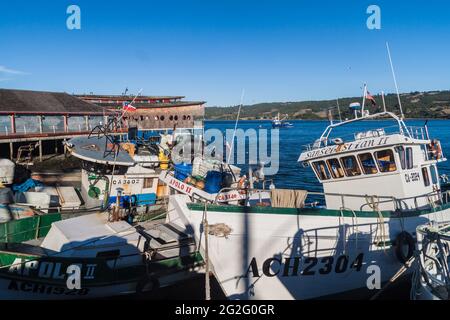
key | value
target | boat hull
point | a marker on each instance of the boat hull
(276, 253)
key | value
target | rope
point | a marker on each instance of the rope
(374, 205)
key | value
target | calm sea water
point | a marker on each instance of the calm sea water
(291, 173)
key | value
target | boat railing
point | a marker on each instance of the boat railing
(433, 200)
(415, 132)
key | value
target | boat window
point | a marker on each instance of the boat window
(148, 182)
(402, 156)
(386, 161)
(426, 178)
(406, 157)
(434, 176)
(351, 166)
(335, 168)
(368, 163)
(321, 170)
(409, 158)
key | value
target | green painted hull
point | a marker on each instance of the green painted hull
(27, 228)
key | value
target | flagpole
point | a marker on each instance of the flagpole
(131, 103)
(364, 100)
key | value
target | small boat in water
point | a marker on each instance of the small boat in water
(279, 122)
(379, 185)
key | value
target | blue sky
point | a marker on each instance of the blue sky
(211, 50)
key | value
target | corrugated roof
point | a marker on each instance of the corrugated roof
(39, 102)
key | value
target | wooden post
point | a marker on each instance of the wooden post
(40, 141)
(11, 150)
(13, 123)
(66, 123)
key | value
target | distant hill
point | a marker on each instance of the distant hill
(431, 104)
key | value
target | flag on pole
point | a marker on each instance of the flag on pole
(372, 99)
(126, 106)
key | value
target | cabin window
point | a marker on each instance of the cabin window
(426, 178)
(386, 161)
(335, 168)
(321, 170)
(351, 166)
(148, 183)
(409, 158)
(406, 157)
(434, 176)
(368, 163)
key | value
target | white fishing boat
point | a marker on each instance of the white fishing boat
(379, 185)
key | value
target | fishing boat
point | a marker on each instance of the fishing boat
(431, 278)
(279, 122)
(379, 185)
(92, 256)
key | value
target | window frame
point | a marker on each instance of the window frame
(332, 172)
(426, 177)
(355, 161)
(318, 175)
(378, 161)
(362, 165)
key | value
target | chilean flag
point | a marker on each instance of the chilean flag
(372, 99)
(126, 106)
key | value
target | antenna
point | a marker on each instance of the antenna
(384, 103)
(339, 110)
(235, 126)
(395, 80)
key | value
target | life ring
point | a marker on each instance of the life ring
(404, 241)
(147, 284)
(241, 182)
(436, 150)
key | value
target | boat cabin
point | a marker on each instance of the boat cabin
(130, 173)
(377, 169)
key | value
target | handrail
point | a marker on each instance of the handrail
(415, 132)
(442, 197)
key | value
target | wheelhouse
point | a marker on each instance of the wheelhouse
(400, 165)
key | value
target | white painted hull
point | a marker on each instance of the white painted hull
(321, 243)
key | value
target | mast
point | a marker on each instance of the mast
(395, 81)
(235, 126)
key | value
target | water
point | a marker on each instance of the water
(292, 174)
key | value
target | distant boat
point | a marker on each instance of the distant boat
(278, 122)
